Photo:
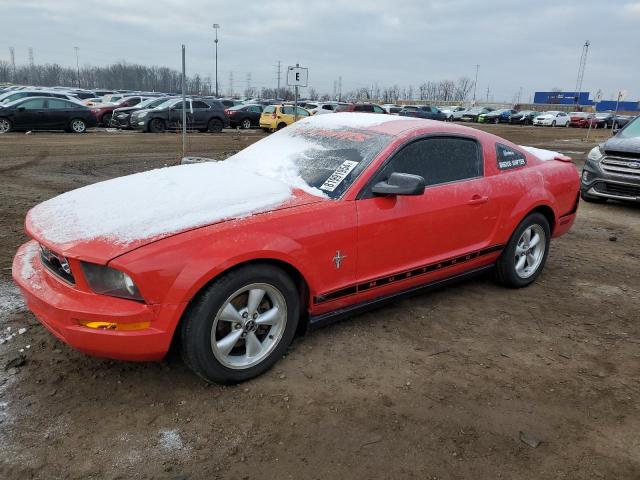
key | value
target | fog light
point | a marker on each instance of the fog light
(585, 176)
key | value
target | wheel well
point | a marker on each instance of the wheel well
(294, 274)
(547, 212)
(281, 125)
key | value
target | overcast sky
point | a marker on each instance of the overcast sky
(535, 45)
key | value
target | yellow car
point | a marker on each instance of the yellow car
(275, 117)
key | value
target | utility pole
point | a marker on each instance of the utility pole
(216, 26)
(12, 55)
(248, 91)
(335, 90)
(230, 84)
(340, 88)
(475, 83)
(31, 65)
(77, 49)
(581, 68)
(487, 93)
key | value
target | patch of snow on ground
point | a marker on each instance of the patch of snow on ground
(159, 201)
(10, 299)
(171, 440)
(541, 153)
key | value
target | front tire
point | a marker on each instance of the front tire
(5, 125)
(106, 120)
(524, 258)
(241, 324)
(157, 125)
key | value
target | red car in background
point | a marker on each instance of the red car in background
(325, 218)
(104, 111)
(579, 119)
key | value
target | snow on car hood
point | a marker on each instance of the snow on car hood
(155, 203)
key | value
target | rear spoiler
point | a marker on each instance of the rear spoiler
(562, 158)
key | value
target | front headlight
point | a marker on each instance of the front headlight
(142, 114)
(109, 281)
(595, 154)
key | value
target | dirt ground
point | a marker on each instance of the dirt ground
(438, 386)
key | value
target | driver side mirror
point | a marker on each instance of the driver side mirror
(615, 130)
(20, 109)
(400, 184)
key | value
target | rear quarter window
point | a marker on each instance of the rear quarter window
(509, 158)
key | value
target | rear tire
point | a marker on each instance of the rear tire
(522, 260)
(5, 125)
(246, 124)
(214, 126)
(106, 120)
(77, 125)
(224, 323)
(281, 126)
(157, 125)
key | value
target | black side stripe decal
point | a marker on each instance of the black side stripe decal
(396, 277)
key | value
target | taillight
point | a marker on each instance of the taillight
(227, 111)
(273, 115)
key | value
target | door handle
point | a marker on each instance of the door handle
(478, 200)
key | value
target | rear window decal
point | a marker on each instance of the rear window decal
(509, 158)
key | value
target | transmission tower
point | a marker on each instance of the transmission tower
(278, 76)
(231, 84)
(248, 92)
(583, 64)
(31, 62)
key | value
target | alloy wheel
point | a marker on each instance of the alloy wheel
(530, 251)
(5, 126)
(249, 326)
(78, 126)
(246, 124)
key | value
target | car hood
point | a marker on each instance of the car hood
(104, 220)
(625, 145)
(545, 117)
(125, 109)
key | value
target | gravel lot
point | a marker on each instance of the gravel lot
(438, 386)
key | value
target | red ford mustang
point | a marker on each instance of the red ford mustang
(329, 216)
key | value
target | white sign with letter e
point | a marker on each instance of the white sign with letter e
(297, 76)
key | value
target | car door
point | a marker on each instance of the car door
(201, 114)
(254, 114)
(454, 216)
(378, 109)
(32, 114)
(59, 112)
(286, 115)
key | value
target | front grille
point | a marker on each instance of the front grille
(56, 264)
(618, 189)
(629, 167)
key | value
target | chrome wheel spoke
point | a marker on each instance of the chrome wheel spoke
(270, 317)
(531, 260)
(520, 250)
(227, 343)
(534, 240)
(255, 298)
(254, 347)
(527, 236)
(521, 262)
(230, 314)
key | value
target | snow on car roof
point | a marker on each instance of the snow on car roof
(356, 120)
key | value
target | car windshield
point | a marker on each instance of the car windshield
(151, 102)
(165, 104)
(476, 110)
(632, 130)
(326, 159)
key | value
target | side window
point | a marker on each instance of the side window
(58, 104)
(328, 107)
(255, 109)
(200, 104)
(133, 101)
(287, 110)
(509, 158)
(434, 110)
(363, 108)
(36, 104)
(438, 160)
(378, 109)
(302, 112)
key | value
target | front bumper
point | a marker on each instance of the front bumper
(597, 182)
(61, 308)
(120, 122)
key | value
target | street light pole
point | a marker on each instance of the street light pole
(78, 64)
(216, 26)
(475, 83)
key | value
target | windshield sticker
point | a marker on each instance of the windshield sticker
(338, 176)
